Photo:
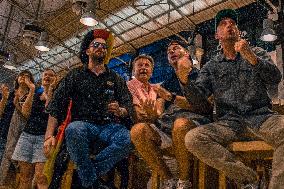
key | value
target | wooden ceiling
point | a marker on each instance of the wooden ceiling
(160, 19)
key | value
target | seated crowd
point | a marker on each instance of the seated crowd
(174, 119)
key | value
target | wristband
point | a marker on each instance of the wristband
(173, 97)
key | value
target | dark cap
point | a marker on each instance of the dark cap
(181, 43)
(225, 13)
(89, 37)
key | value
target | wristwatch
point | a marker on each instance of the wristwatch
(174, 95)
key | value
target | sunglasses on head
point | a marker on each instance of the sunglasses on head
(97, 44)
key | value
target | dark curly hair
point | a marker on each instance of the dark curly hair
(89, 37)
(16, 84)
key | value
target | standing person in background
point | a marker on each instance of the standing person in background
(24, 91)
(29, 149)
(4, 98)
(6, 112)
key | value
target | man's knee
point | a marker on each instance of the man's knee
(122, 139)
(182, 125)
(74, 129)
(193, 140)
(138, 131)
(41, 179)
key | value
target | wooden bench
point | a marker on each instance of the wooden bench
(247, 151)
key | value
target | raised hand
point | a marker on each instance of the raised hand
(54, 83)
(5, 91)
(184, 66)
(162, 92)
(242, 46)
(149, 107)
(30, 84)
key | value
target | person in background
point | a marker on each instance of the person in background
(6, 112)
(4, 98)
(237, 77)
(29, 149)
(24, 91)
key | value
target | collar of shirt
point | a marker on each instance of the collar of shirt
(221, 57)
(139, 92)
(193, 74)
(86, 69)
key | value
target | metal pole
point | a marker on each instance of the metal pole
(280, 29)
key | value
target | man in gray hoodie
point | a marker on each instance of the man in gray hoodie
(237, 77)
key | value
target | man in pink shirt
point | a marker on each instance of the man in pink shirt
(143, 93)
(149, 139)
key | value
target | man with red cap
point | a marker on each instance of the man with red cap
(100, 102)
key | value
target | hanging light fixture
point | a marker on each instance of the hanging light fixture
(42, 44)
(9, 65)
(88, 19)
(7, 59)
(268, 34)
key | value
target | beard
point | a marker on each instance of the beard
(98, 59)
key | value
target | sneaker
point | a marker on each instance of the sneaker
(250, 186)
(184, 184)
(168, 184)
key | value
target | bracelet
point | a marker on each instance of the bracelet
(48, 138)
(173, 97)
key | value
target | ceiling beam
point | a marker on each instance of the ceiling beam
(8, 26)
(117, 35)
(16, 4)
(189, 21)
(151, 32)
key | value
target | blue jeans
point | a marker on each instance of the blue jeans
(80, 135)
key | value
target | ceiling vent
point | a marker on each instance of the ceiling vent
(79, 5)
(31, 33)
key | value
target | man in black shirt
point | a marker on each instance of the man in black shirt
(100, 100)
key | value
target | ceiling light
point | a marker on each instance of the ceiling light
(42, 44)
(88, 19)
(268, 34)
(9, 66)
(31, 33)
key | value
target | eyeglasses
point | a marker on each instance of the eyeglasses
(97, 44)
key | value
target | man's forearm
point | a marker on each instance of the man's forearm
(181, 102)
(27, 106)
(51, 125)
(3, 103)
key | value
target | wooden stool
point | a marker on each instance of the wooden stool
(155, 177)
(247, 151)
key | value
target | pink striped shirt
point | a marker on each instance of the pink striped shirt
(139, 91)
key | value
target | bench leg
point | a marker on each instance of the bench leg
(201, 179)
(222, 180)
(155, 180)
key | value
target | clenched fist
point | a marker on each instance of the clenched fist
(242, 46)
(184, 66)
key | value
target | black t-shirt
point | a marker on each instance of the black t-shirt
(90, 95)
(37, 121)
(172, 84)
